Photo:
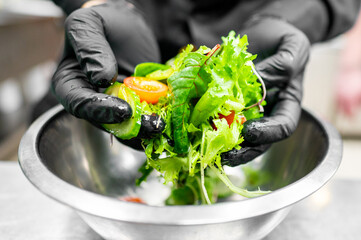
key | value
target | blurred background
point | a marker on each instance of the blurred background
(31, 38)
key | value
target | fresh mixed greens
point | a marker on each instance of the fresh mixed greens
(211, 93)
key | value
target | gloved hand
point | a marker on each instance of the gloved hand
(283, 51)
(100, 42)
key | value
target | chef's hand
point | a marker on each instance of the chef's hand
(283, 52)
(348, 91)
(100, 41)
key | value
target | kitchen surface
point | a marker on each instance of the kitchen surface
(28, 59)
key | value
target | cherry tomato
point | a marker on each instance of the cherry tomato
(242, 119)
(147, 89)
(133, 199)
(230, 118)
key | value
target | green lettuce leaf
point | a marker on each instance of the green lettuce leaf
(186, 83)
(203, 89)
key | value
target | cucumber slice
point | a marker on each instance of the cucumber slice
(128, 128)
(113, 89)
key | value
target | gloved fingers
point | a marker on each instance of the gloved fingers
(244, 155)
(282, 49)
(110, 38)
(129, 35)
(85, 32)
(289, 60)
(80, 98)
(274, 128)
(151, 125)
(271, 100)
(283, 119)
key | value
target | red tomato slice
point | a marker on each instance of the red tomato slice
(147, 89)
(133, 199)
(230, 118)
(242, 119)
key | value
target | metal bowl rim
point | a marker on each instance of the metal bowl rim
(106, 207)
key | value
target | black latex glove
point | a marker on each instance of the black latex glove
(100, 42)
(283, 52)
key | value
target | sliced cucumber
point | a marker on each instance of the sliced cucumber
(113, 89)
(129, 128)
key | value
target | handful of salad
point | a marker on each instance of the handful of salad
(204, 96)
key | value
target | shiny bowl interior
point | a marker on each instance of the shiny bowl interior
(74, 163)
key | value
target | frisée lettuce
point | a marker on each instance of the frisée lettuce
(211, 93)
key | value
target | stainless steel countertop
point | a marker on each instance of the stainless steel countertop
(334, 212)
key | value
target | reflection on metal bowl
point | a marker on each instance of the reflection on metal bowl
(72, 162)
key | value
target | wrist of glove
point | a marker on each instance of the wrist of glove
(100, 42)
(283, 52)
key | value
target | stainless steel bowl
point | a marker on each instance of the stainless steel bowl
(72, 162)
